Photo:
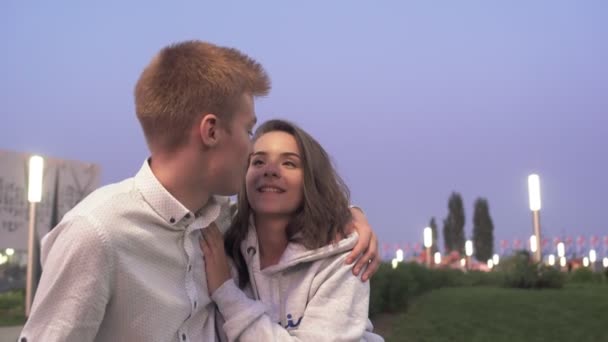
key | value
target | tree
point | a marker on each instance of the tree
(453, 225)
(433, 226)
(483, 231)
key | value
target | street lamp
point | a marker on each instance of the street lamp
(605, 262)
(394, 262)
(399, 255)
(534, 193)
(463, 262)
(561, 254)
(468, 250)
(495, 259)
(428, 243)
(533, 245)
(551, 260)
(592, 258)
(490, 263)
(561, 250)
(9, 252)
(586, 262)
(34, 196)
(437, 258)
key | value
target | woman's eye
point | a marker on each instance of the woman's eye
(289, 164)
(256, 162)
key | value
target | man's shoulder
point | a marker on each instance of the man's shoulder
(100, 208)
(108, 199)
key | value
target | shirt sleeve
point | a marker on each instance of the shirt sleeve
(337, 311)
(74, 289)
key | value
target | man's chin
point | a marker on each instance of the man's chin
(228, 191)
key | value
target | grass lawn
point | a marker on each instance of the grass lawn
(12, 308)
(480, 314)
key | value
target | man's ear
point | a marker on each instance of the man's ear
(209, 130)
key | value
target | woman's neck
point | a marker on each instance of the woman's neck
(272, 237)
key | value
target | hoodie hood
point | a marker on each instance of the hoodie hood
(295, 253)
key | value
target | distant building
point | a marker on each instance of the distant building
(65, 183)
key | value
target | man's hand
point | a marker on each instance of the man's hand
(366, 247)
(216, 261)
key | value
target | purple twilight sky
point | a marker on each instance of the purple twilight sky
(413, 99)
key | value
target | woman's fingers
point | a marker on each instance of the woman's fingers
(205, 244)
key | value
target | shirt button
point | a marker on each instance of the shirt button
(188, 215)
(172, 220)
(183, 337)
(23, 339)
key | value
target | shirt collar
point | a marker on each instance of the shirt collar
(163, 203)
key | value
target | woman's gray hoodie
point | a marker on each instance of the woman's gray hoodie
(310, 295)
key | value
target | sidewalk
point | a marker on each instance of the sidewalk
(9, 334)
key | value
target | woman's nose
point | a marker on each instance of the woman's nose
(271, 170)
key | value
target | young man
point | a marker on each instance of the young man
(124, 264)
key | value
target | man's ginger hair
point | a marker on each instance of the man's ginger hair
(187, 79)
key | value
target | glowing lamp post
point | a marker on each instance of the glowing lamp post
(437, 258)
(592, 259)
(34, 196)
(468, 250)
(533, 245)
(9, 253)
(561, 250)
(534, 192)
(428, 243)
(561, 254)
(399, 255)
(551, 260)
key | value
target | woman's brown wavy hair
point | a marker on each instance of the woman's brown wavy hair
(323, 213)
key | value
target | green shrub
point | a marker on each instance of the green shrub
(420, 277)
(400, 289)
(12, 307)
(519, 271)
(12, 299)
(550, 278)
(585, 275)
(392, 290)
(479, 278)
(378, 290)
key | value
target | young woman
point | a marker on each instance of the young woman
(292, 282)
